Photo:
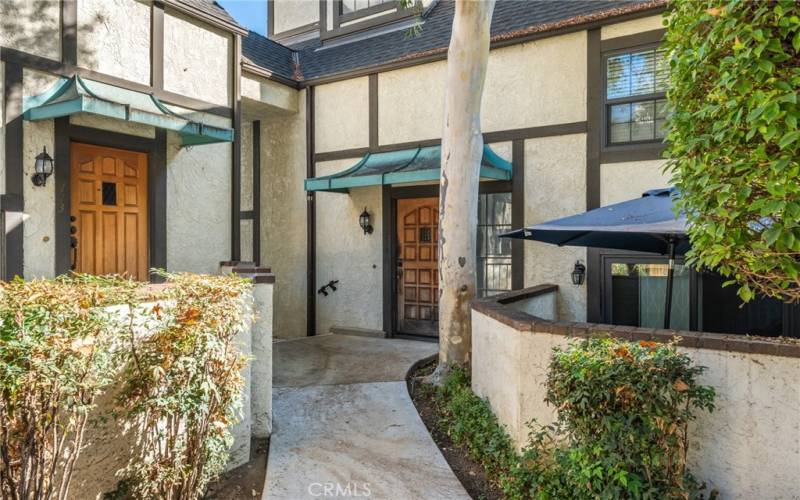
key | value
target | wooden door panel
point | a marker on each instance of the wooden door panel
(109, 203)
(417, 236)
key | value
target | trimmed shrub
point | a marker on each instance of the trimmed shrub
(734, 141)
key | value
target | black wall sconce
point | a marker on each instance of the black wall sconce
(43, 168)
(364, 221)
(578, 273)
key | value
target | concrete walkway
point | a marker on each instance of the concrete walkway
(344, 425)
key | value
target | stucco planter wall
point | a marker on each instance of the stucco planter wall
(109, 442)
(747, 448)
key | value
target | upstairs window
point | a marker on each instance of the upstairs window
(636, 82)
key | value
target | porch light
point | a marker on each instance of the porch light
(364, 221)
(578, 273)
(43, 168)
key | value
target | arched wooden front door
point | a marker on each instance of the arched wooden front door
(417, 266)
(108, 193)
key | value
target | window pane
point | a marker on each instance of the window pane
(636, 73)
(621, 113)
(494, 253)
(348, 6)
(661, 129)
(643, 72)
(722, 311)
(643, 127)
(618, 76)
(620, 133)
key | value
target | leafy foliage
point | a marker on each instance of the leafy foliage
(55, 358)
(183, 387)
(620, 432)
(469, 422)
(734, 139)
(63, 341)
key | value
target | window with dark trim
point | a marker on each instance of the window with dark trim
(494, 253)
(634, 95)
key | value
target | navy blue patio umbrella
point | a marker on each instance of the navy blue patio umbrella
(646, 224)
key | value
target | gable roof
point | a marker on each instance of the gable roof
(512, 19)
(210, 11)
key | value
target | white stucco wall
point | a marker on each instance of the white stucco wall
(276, 95)
(290, 14)
(114, 38)
(283, 216)
(411, 103)
(627, 180)
(749, 447)
(39, 218)
(197, 59)
(346, 254)
(555, 186)
(198, 206)
(341, 115)
(536, 83)
(113, 125)
(32, 27)
(631, 27)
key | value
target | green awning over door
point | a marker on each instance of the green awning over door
(77, 95)
(401, 167)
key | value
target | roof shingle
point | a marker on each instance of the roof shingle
(511, 19)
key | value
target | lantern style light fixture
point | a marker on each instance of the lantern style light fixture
(578, 273)
(42, 169)
(364, 221)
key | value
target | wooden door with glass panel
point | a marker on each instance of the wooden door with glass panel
(108, 193)
(417, 266)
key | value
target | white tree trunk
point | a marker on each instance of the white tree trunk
(462, 149)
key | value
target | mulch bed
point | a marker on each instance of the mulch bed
(468, 470)
(245, 481)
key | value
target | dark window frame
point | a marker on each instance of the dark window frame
(483, 260)
(607, 103)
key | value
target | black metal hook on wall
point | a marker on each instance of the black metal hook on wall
(324, 290)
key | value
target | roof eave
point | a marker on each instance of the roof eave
(206, 17)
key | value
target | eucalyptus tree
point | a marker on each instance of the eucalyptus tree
(462, 148)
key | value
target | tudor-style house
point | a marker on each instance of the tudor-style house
(180, 140)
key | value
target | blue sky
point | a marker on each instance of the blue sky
(251, 14)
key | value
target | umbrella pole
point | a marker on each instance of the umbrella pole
(670, 273)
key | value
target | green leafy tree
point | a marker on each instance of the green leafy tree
(734, 140)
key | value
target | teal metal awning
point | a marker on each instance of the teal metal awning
(399, 167)
(78, 95)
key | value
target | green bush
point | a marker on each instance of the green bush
(734, 141)
(620, 432)
(621, 428)
(469, 422)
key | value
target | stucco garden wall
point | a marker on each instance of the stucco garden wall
(341, 115)
(32, 27)
(627, 180)
(109, 442)
(555, 186)
(747, 448)
(197, 59)
(283, 215)
(115, 38)
(346, 254)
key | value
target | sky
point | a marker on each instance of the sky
(252, 14)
